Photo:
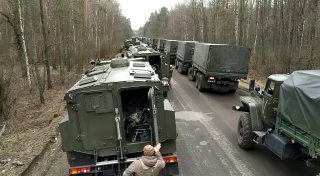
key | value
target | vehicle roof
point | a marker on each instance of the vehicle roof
(148, 51)
(137, 71)
(172, 40)
(279, 77)
(187, 41)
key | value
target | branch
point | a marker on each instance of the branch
(7, 17)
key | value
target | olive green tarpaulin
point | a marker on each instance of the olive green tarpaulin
(222, 59)
(185, 50)
(300, 100)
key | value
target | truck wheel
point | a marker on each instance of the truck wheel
(165, 94)
(180, 67)
(245, 134)
(200, 82)
(197, 81)
(176, 66)
(190, 74)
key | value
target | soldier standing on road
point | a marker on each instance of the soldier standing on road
(149, 165)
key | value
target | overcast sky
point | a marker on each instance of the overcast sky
(139, 10)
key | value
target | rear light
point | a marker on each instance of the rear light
(165, 83)
(211, 78)
(79, 170)
(170, 159)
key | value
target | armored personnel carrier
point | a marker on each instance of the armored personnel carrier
(113, 112)
(156, 61)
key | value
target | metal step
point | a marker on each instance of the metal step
(259, 139)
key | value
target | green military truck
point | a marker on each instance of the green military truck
(154, 43)
(170, 51)
(155, 60)
(219, 66)
(184, 55)
(113, 112)
(161, 45)
(284, 117)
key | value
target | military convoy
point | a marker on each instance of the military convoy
(284, 116)
(113, 112)
(119, 106)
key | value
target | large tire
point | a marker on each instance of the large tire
(180, 67)
(200, 83)
(190, 75)
(233, 91)
(244, 133)
(197, 81)
(165, 94)
(176, 64)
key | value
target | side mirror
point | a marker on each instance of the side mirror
(252, 85)
(257, 89)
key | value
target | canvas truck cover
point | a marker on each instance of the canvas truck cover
(222, 59)
(299, 101)
(161, 44)
(171, 46)
(184, 51)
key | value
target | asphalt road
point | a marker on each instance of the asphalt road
(207, 144)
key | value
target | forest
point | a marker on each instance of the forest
(283, 35)
(43, 41)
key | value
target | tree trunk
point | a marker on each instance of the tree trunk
(45, 44)
(205, 22)
(61, 50)
(1, 95)
(23, 44)
(313, 21)
(35, 60)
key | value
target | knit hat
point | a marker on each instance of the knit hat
(148, 150)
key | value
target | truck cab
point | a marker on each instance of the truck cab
(270, 97)
(284, 116)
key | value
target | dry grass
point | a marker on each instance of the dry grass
(32, 125)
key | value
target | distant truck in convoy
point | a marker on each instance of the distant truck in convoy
(156, 61)
(113, 112)
(154, 43)
(161, 45)
(284, 116)
(219, 66)
(170, 51)
(184, 55)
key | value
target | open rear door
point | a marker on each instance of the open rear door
(153, 110)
